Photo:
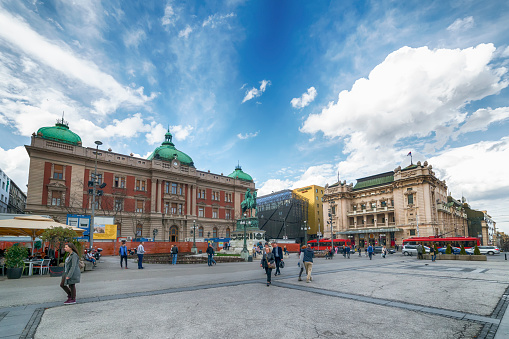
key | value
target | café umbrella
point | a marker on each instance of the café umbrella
(31, 225)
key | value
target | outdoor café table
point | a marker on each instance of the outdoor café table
(31, 263)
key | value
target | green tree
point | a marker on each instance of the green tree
(58, 236)
(476, 250)
(462, 251)
(448, 250)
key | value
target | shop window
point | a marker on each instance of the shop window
(58, 172)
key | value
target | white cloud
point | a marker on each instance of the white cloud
(273, 185)
(181, 132)
(247, 135)
(156, 134)
(482, 118)
(14, 162)
(169, 17)
(414, 93)
(29, 43)
(305, 99)
(216, 20)
(185, 32)
(133, 39)
(254, 92)
(461, 24)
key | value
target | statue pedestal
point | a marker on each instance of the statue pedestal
(253, 237)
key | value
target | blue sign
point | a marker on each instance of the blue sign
(80, 221)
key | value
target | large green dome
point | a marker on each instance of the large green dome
(239, 174)
(168, 152)
(60, 132)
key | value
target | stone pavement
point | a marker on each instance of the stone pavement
(355, 298)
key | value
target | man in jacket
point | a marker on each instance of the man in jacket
(370, 251)
(174, 253)
(210, 252)
(308, 262)
(278, 254)
(123, 254)
(140, 252)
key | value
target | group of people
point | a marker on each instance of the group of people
(273, 258)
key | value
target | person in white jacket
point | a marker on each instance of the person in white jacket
(301, 261)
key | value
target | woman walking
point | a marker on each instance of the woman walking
(301, 262)
(268, 263)
(72, 273)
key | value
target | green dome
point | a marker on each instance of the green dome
(60, 132)
(239, 174)
(168, 152)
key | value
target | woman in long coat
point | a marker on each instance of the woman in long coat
(268, 257)
(72, 273)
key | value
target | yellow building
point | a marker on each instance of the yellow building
(314, 194)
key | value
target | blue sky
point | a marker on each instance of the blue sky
(296, 91)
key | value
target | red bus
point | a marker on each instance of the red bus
(325, 244)
(443, 242)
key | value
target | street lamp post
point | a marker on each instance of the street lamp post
(194, 249)
(245, 253)
(305, 229)
(94, 180)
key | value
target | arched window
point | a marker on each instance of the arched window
(174, 234)
(228, 232)
(200, 232)
(214, 232)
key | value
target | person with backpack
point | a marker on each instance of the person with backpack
(174, 253)
(370, 251)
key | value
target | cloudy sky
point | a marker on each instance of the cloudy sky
(298, 92)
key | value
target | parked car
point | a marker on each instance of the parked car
(412, 249)
(378, 249)
(491, 250)
(455, 250)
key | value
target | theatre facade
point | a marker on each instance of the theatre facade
(164, 195)
(386, 208)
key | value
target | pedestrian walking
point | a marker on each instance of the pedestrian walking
(301, 261)
(140, 251)
(359, 249)
(384, 251)
(285, 251)
(278, 255)
(268, 262)
(370, 251)
(419, 251)
(348, 252)
(174, 254)
(123, 254)
(210, 252)
(72, 273)
(308, 262)
(432, 252)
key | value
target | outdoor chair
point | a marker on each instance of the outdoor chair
(42, 266)
(2, 267)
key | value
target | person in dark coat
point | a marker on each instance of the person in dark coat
(123, 254)
(308, 262)
(278, 255)
(210, 252)
(72, 273)
(370, 251)
(268, 258)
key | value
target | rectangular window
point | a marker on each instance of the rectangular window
(180, 211)
(412, 232)
(119, 182)
(227, 215)
(228, 197)
(181, 190)
(139, 206)
(384, 203)
(213, 195)
(201, 212)
(167, 187)
(138, 185)
(58, 172)
(173, 188)
(363, 206)
(410, 199)
(99, 178)
(139, 230)
(166, 208)
(373, 205)
(118, 204)
(56, 198)
(215, 214)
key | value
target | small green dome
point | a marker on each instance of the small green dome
(168, 152)
(239, 174)
(60, 132)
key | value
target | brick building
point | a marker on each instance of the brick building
(164, 192)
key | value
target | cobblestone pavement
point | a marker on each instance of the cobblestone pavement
(351, 298)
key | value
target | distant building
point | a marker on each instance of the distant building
(481, 225)
(17, 199)
(281, 215)
(388, 207)
(4, 191)
(164, 192)
(315, 219)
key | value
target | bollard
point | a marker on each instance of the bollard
(505, 256)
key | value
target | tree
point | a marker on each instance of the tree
(448, 250)
(58, 236)
(15, 255)
(476, 250)
(463, 250)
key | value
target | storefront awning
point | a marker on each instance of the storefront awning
(372, 230)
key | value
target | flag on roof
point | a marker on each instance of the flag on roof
(409, 153)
